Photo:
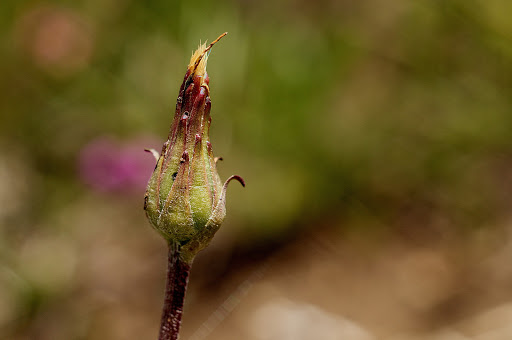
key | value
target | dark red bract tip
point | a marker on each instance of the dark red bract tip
(238, 178)
(184, 157)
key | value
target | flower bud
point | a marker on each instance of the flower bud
(185, 200)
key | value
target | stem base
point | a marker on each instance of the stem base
(176, 285)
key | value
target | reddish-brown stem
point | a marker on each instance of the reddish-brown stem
(175, 288)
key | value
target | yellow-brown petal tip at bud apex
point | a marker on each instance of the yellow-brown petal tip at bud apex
(185, 198)
(199, 59)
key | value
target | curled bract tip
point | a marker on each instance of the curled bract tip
(153, 152)
(238, 178)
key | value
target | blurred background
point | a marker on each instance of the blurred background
(374, 136)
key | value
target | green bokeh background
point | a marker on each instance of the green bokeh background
(393, 117)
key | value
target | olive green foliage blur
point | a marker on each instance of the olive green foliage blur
(330, 110)
(324, 108)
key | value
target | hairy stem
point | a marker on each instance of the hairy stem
(175, 288)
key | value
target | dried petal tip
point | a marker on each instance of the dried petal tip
(199, 59)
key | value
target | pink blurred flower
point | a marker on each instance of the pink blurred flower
(112, 166)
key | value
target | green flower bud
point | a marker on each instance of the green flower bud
(185, 200)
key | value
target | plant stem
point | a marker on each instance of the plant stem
(175, 288)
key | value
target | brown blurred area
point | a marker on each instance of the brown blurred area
(374, 136)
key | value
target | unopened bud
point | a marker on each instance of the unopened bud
(185, 199)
